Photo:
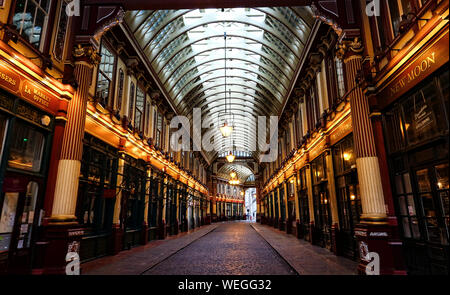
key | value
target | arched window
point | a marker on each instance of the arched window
(131, 102)
(120, 90)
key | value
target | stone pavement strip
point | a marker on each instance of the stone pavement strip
(138, 260)
(305, 258)
(234, 248)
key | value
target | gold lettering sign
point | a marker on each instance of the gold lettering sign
(431, 59)
(342, 130)
(420, 69)
(38, 95)
(317, 150)
(9, 79)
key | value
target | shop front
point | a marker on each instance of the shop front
(291, 223)
(276, 217)
(153, 200)
(282, 218)
(303, 203)
(183, 208)
(96, 196)
(29, 105)
(415, 116)
(133, 201)
(321, 200)
(348, 197)
(26, 144)
(416, 130)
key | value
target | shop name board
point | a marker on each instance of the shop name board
(27, 89)
(344, 129)
(418, 70)
(8, 79)
(36, 94)
(431, 59)
(317, 150)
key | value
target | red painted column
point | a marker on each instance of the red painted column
(394, 240)
(62, 233)
(373, 232)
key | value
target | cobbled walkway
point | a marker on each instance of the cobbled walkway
(139, 259)
(305, 258)
(232, 248)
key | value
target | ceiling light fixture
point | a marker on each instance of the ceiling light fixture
(230, 157)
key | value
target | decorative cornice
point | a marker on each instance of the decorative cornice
(86, 53)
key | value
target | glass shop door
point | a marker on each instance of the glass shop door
(20, 217)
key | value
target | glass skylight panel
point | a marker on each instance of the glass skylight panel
(263, 49)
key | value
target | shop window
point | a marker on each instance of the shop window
(7, 220)
(139, 110)
(407, 207)
(27, 217)
(31, 18)
(319, 170)
(97, 186)
(424, 114)
(105, 75)
(27, 147)
(134, 193)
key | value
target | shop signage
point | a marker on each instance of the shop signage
(418, 69)
(27, 89)
(9, 79)
(38, 95)
(341, 131)
(317, 150)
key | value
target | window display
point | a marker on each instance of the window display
(27, 146)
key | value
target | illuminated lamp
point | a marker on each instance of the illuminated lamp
(347, 156)
(226, 129)
(230, 157)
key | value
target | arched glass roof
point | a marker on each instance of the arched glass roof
(242, 171)
(186, 49)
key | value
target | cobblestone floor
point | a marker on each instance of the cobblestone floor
(233, 248)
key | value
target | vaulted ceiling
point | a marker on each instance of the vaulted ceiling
(186, 50)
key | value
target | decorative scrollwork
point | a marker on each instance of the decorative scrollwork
(88, 53)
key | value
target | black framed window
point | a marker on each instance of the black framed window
(131, 99)
(31, 19)
(347, 187)
(97, 186)
(27, 148)
(139, 110)
(105, 75)
(135, 178)
(153, 202)
(303, 200)
(158, 130)
(61, 33)
(120, 90)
